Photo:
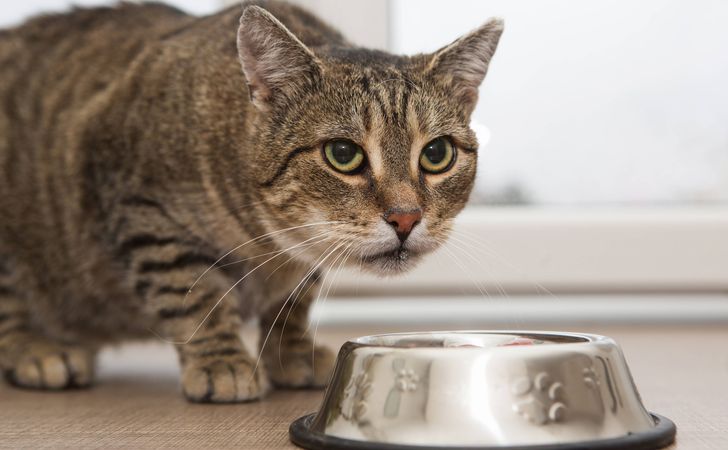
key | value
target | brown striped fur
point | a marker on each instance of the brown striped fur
(135, 151)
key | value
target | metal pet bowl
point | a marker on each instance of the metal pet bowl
(482, 390)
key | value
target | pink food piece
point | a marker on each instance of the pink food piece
(519, 341)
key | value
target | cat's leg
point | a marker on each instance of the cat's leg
(291, 357)
(28, 359)
(164, 262)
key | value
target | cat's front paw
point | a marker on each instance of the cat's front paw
(297, 366)
(45, 365)
(226, 380)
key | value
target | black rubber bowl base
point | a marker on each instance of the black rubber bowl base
(662, 435)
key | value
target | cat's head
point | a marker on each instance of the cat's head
(379, 145)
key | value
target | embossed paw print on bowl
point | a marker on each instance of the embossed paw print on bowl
(541, 399)
(407, 380)
(481, 390)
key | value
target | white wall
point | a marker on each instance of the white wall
(599, 101)
(14, 12)
(363, 22)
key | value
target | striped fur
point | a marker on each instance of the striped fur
(139, 144)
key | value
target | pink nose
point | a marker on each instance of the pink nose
(403, 221)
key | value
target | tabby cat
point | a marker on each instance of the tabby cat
(163, 175)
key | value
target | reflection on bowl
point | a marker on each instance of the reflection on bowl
(481, 389)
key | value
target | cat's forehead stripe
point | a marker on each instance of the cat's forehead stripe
(393, 130)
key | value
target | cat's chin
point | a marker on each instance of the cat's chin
(391, 263)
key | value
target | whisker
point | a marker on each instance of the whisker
(217, 303)
(280, 311)
(303, 294)
(483, 291)
(485, 246)
(263, 236)
(517, 322)
(352, 242)
(272, 252)
(328, 234)
(300, 294)
(463, 248)
(331, 280)
(347, 253)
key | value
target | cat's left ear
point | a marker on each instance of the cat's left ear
(275, 63)
(464, 63)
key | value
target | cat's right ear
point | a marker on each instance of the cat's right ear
(464, 63)
(275, 63)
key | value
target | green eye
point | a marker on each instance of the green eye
(344, 156)
(437, 156)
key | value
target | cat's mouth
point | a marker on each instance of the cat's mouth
(399, 253)
(390, 262)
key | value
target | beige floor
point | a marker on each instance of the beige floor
(682, 372)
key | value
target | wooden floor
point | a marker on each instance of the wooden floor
(682, 373)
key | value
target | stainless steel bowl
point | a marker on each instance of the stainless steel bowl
(482, 389)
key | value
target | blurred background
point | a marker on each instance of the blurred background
(602, 193)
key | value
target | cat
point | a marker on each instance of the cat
(173, 176)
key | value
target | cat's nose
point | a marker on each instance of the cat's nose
(403, 221)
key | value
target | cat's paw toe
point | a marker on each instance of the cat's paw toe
(224, 381)
(301, 367)
(52, 367)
